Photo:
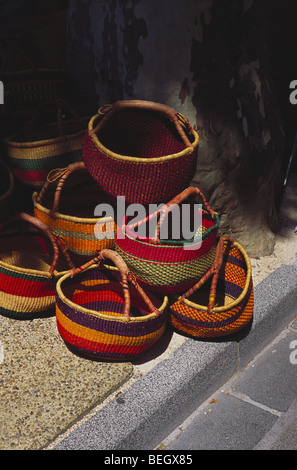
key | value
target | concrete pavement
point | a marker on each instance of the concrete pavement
(144, 416)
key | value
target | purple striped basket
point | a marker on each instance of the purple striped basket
(102, 312)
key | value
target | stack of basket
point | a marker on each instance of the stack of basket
(128, 283)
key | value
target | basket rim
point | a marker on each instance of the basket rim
(70, 218)
(29, 271)
(10, 189)
(63, 298)
(129, 158)
(9, 142)
(239, 299)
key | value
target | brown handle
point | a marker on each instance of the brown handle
(125, 274)
(22, 216)
(213, 271)
(166, 208)
(60, 174)
(178, 119)
(60, 106)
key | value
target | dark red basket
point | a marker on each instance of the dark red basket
(142, 150)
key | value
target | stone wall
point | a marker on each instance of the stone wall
(207, 59)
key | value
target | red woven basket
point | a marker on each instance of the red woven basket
(169, 265)
(142, 150)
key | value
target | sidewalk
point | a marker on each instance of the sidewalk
(255, 410)
(51, 398)
(149, 410)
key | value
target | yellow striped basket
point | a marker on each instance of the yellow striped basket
(83, 235)
(224, 305)
(40, 147)
(30, 264)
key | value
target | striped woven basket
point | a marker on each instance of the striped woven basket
(27, 82)
(222, 302)
(74, 222)
(102, 312)
(142, 150)
(169, 265)
(28, 269)
(6, 190)
(45, 144)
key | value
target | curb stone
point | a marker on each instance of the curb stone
(163, 398)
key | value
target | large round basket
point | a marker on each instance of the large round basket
(142, 150)
(224, 305)
(103, 313)
(170, 265)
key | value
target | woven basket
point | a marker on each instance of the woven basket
(6, 190)
(28, 271)
(46, 144)
(142, 150)
(224, 305)
(166, 265)
(102, 312)
(79, 231)
(27, 82)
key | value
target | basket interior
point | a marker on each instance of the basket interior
(101, 290)
(141, 133)
(231, 282)
(29, 250)
(78, 198)
(44, 131)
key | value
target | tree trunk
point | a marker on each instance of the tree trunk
(208, 60)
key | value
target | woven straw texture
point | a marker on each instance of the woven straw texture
(27, 82)
(234, 299)
(138, 153)
(30, 264)
(90, 311)
(37, 149)
(166, 266)
(77, 227)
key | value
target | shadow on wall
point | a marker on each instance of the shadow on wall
(218, 65)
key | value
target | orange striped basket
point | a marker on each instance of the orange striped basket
(28, 269)
(83, 233)
(224, 305)
(103, 313)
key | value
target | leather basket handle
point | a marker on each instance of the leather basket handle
(22, 216)
(213, 271)
(60, 174)
(126, 276)
(166, 208)
(180, 121)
